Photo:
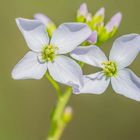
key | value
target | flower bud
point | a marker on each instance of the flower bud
(82, 12)
(93, 38)
(114, 22)
(67, 114)
(43, 18)
(50, 26)
(98, 18)
(100, 12)
(89, 17)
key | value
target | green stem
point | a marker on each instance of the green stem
(54, 84)
(57, 122)
(58, 132)
(61, 104)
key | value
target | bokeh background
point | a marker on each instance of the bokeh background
(25, 105)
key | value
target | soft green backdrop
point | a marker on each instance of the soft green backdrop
(25, 105)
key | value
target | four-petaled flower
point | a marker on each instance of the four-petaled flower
(50, 53)
(123, 80)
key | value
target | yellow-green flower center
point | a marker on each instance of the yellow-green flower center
(110, 68)
(48, 53)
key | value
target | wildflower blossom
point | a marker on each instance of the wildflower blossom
(122, 54)
(48, 53)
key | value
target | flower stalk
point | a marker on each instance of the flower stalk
(60, 116)
(54, 84)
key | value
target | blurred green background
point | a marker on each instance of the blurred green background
(25, 105)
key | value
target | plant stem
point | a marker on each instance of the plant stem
(57, 121)
(54, 84)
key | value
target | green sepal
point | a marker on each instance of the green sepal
(112, 33)
(50, 29)
(97, 20)
(81, 19)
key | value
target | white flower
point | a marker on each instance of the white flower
(123, 80)
(50, 54)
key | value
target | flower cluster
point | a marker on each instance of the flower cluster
(100, 32)
(58, 51)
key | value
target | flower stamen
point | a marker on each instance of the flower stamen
(110, 68)
(48, 53)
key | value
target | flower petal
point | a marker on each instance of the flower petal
(93, 38)
(43, 18)
(29, 68)
(69, 35)
(65, 71)
(127, 84)
(92, 55)
(125, 49)
(34, 33)
(95, 83)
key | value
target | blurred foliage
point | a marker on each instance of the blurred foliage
(25, 105)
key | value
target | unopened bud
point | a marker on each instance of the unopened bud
(67, 114)
(82, 13)
(98, 18)
(93, 38)
(43, 18)
(50, 26)
(114, 22)
(83, 10)
(89, 17)
(100, 12)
